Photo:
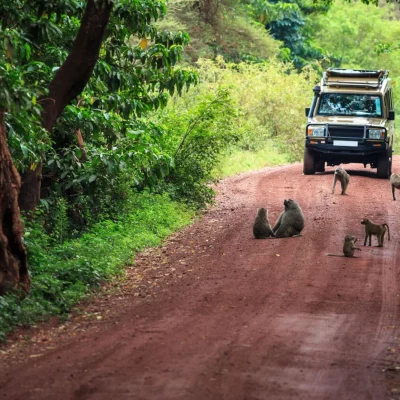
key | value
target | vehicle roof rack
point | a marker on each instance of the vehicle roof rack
(354, 77)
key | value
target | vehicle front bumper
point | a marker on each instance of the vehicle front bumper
(337, 146)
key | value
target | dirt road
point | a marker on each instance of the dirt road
(216, 314)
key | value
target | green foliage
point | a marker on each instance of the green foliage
(136, 72)
(199, 127)
(256, 110)
(94, 182)
(63, 273)
(269, 98)
(290, 21)
(60, 228)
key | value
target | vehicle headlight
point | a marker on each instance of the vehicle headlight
(316, 131)
(376, 133)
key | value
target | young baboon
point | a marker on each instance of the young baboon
(395, 182)
(348, 247)
(376, 230)
(343, 177)
(261, 228)
(291, 221)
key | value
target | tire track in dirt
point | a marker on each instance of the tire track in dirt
(236, 318)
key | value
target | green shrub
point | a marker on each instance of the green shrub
(270, 99)
(199, 127)
(63, 273)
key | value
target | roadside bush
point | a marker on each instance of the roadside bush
(269, 98)
(63, 273)
(199, 127)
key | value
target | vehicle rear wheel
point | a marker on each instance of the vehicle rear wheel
(320, 166)
(309, 162)
(383, 166)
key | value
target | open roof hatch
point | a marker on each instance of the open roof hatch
(370, 79)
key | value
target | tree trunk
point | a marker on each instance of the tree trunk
(68, 83)
(13, 263)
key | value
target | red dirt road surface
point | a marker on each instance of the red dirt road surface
(216, 314)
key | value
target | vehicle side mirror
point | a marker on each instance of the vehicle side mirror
(308, 111)
(391, 115)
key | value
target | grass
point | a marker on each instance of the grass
(63, 274)
(243, 161)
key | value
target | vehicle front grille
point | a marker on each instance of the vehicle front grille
(346, 131)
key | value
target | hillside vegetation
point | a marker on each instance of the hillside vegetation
(223, 28)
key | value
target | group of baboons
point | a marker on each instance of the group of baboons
(291, 221)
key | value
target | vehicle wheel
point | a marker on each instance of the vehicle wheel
(309, 162)
(320, 166)
(383, 166)
(390, 161)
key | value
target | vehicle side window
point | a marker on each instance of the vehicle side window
(388, 101)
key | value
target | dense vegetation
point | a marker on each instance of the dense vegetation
(159, 114)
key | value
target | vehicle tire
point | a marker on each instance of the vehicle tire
(320, 166)
(383, 166)
(309, 162)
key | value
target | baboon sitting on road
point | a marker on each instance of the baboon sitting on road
(261, 228)
(348, 247)
(376, 230)
(343, 177)
(291, 221)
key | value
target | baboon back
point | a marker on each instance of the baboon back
(261, 227)
(291, 221)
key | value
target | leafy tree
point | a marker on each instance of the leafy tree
(288, 22)
(106, 51)
(361, 30)
(13, 263)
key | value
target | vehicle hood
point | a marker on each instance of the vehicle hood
(338, 120)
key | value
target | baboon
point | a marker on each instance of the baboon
(348, 247)
(395, 182)
(376, 230)
(291, 221)
(343, 177)
(261, 228)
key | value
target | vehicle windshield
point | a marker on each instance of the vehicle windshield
(361, 105)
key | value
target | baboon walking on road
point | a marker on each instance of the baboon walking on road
(343, 177)
(395, 182)
(376, 230)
